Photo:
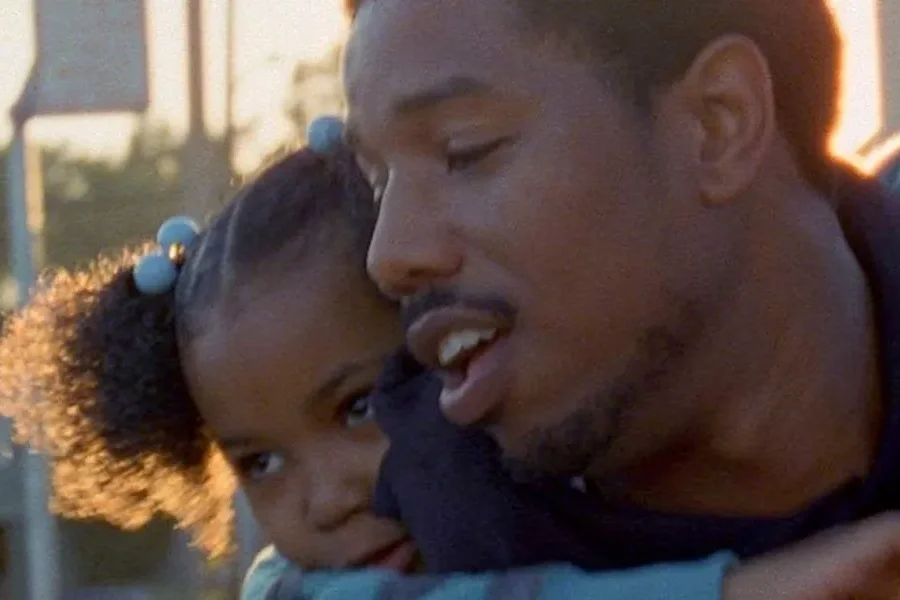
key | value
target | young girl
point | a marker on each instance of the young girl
(159, 380)
(239, 362)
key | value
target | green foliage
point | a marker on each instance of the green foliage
(315, 90)
(97, 204)
(94, 204)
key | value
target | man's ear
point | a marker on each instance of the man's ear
(727, 91)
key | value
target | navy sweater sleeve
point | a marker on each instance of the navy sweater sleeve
(448, 486)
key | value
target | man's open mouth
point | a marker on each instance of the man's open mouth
(459, 344)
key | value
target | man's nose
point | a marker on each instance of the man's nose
(412, 246)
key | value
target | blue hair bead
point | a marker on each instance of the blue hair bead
(155, 274)
(325, 134)
(177, 230)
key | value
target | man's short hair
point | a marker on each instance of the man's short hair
(654, 42)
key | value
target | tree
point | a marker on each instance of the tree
(99, 204)
(315, 90)
(94, 204)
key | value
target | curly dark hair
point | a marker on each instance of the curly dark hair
(654, 42)
(89, 368)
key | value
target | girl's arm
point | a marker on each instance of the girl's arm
(273, 578)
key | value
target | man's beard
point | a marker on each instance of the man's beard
(593, 438)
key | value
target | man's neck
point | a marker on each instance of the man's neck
(789, 377)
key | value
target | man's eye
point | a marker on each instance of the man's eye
(259, 465)
(458, 160)
(358, 410)
(377, 182)
(377, 192)
(373, 176)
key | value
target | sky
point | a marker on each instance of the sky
(268, 44)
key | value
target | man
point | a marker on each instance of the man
(615, 229)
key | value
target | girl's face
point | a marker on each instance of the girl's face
(282, 377)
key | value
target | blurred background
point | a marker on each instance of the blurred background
(116, 114)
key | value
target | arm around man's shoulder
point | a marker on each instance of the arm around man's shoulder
(701, 580)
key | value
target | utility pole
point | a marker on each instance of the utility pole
(203, 174)
(889, 21)
(25, 209)
(90, 58)
(229, 84)
(196, 105)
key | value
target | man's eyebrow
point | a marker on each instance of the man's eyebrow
(451, 88)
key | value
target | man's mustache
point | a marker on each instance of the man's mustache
(415, 307)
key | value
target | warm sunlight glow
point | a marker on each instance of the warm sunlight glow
(271, 37)
(861, 106)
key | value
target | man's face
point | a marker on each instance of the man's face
(548, 240)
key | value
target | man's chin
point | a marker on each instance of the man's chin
(541, 454)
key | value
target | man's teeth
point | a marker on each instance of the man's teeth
(460, 342)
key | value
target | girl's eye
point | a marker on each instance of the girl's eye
(260, 465)
(459, 160)
(358, 410)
